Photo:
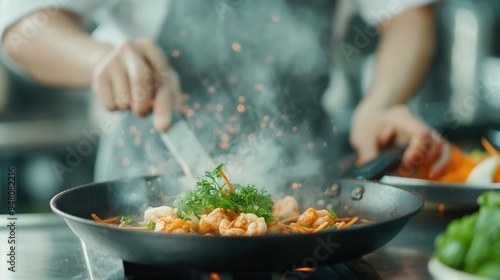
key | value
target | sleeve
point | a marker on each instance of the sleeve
(13, 10)
(376, 11)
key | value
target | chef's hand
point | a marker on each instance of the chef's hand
(395, 126)
(137, 76)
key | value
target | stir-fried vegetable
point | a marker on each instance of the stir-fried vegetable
(472, 243)
(210, 193)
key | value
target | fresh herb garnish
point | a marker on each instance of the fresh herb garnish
(211, 193)
(333, 214)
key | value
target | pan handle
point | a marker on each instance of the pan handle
(373, 170)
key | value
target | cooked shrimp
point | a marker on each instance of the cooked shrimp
(212, 221)
(245, 224)
(276, 227)
(171, 225)
(153, 214)
(195, 222)
(314, 218)
(286, 207)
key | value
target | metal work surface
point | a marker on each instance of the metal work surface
(47, 249)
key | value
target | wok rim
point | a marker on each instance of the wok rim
(64, 215)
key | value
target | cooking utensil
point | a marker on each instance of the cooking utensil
(387, 160)
(186, 149)
(389, 207)
(433, 192)
(456, 194)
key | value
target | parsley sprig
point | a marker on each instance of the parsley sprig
(211, 193)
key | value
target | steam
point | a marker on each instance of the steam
(267, 39)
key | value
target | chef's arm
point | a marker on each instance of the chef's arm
(134, 75)
(403, 56)
(61, 54)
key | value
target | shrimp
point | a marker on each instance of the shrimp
(195, 222)
(172, 225)
(286, 207)
(154, 214)
(245, 224)
(276, 227)
(313, 218)
(212, 221)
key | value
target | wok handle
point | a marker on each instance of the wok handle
(376, 168)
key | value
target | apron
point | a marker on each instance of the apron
(253, 74)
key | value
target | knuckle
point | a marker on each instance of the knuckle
(126, 47)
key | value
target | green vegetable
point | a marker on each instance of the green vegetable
(333, 214)
(151, 225)
(472, 243)
(332, 227)
(128, 220)
(489, 200)
(208, 195)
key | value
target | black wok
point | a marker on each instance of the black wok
(390, 207)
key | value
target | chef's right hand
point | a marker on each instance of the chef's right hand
(137, 76)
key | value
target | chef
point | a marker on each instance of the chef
(247, 74)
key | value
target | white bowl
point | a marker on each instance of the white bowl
(440, 271)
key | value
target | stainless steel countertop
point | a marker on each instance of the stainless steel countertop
(47, 249)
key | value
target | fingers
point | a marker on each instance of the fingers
(397, 126)
(168, 91)
(167, 100)
(101, 86)
(423, 148)
(424, 144)
(154, 56)
(162, 109)
(367, 153)
(137, 76)
(121, 90)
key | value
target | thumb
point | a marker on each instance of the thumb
(162, 109)
(367, 151)
(166, 100)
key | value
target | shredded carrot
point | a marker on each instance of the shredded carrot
(226, 180)
(341, 225)
(489, 148)
(354, 220)
(121, 224)
(321, 227)
(224, 192)
(338, 220)
(496, 178)
(105, 221)
(301, 229)
(306, 229)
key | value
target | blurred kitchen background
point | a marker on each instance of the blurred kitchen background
(40, 127)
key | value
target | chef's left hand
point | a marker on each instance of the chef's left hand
(395, 126)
